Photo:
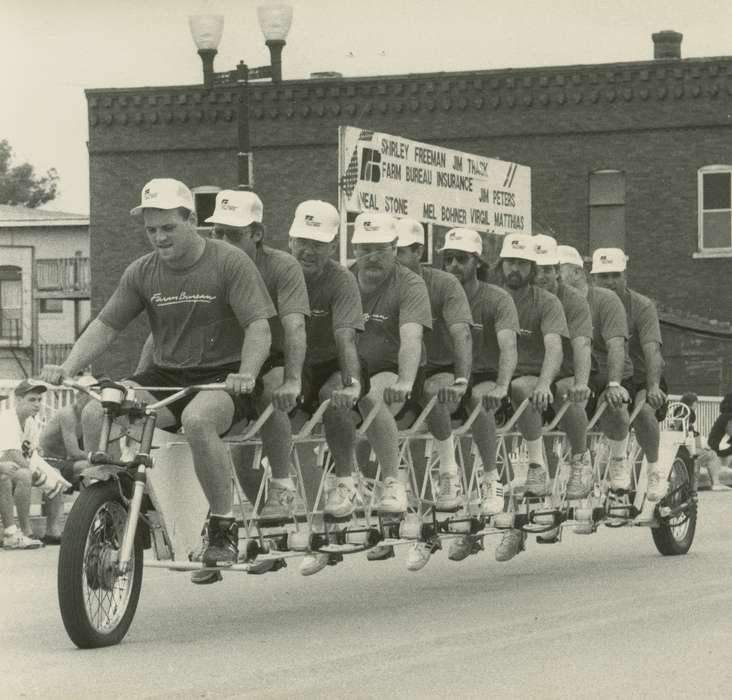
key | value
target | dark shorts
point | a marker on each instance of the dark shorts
(165, 376)
(597, 386)
(64, 465)
(314, 378)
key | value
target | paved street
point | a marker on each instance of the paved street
(589, 617)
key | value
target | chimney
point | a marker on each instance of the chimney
(667, 44)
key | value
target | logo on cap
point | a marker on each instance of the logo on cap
(149, 194)
(310, 220)
(368, 226)
(605, 258)
(517, 245)
(453, 235)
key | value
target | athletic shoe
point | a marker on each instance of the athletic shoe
(537, 483)
(720, 487)
(341, 500)
(312, 563)
(279, 504)
(648, 512)
(619, 470)
(18, 540)
(451, 492)
(549, 535)
(657, 485)
(203, 577)
(223, 542)
(380, 552)
(462, 547)
(393, 497)
(510, 545)
(492, 497)
(419, 554)
(579, 483)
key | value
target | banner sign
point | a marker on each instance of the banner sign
(432, 184)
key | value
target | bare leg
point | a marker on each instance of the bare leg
(484, 428)
(54, 513)
(530, 421)
(206, 417)
(648, 433)
(6, 501)
(382, 433)
(277, 431)
(22, 498)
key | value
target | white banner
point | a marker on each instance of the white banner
(432, 184)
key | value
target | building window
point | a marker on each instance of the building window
(204, 197)
(715, 209)
(51, 306)
(606, 209)
(11, 302)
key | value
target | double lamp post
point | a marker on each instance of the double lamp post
(274, 20)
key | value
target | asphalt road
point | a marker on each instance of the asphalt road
(595, 616)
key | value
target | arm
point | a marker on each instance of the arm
(541, 397)
(350, 368)
(285, 397)
(462, 353)
(507, 360)
(582, 360)
(615, 396)
(254, 351)
(93, 342)
(654, 369)
(410, 355)
(146, 355)
(716, 434)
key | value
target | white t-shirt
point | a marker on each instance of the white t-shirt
(13, 437)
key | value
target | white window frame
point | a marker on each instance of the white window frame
(707, 252)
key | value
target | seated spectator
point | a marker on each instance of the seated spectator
(21, 466)
(719, 452)
(62, 447)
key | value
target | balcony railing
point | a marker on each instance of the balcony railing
(48, 354)
(63, 276)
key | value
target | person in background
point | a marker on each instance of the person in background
(719, 442)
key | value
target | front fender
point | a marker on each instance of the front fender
(102, 472)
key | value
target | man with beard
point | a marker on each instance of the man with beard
(611, 367)
(449, 356)
(332, 368)
(396, 311)
(573, 386)
(644, 347)
(542, 328)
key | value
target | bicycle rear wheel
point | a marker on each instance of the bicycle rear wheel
(675, 535)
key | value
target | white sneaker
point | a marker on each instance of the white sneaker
(312, 563)
(393, 497)
(648, 512)
(537, 483)
(657, 485)
(579, 484)
(451, 492)
(341, 501)
(619, 470)
(18, 540)
(493, 497)
(462, 547)
(419, 554)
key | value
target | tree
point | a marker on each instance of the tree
(19, 184)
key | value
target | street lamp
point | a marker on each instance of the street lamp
(274, 21)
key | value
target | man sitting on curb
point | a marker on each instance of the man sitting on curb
(21, 467)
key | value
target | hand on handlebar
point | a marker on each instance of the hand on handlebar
(452, 393)
(578, 393)
(346, 397)
(53, 374)
(285, 397)
(541, 397)
(397, 392)
(616, 396)
(655, 397)
(494, 398)
(240, 383)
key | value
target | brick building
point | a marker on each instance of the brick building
(637, 154)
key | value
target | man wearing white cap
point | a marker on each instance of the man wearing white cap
(332, 367)
(237, 219)
(644, 347)
(542, 328)
(208, 309)
(396, 311)
(611, 367)
(574, 384)
(449, 350)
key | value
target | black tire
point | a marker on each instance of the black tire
(674, 536)
(97, 604)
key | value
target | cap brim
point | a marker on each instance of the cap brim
(370, 239)
(460, 248)
(238, 223)
(309, 234)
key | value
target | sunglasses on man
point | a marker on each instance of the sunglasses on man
(458, 256)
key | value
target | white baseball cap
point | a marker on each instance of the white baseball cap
(608, 260)
(316, 220)
(518, 245)
(410, 232)
(545, 250)
(463, 239)
(236, 208)
(570, 256)
(164, 193)
(374, 227)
